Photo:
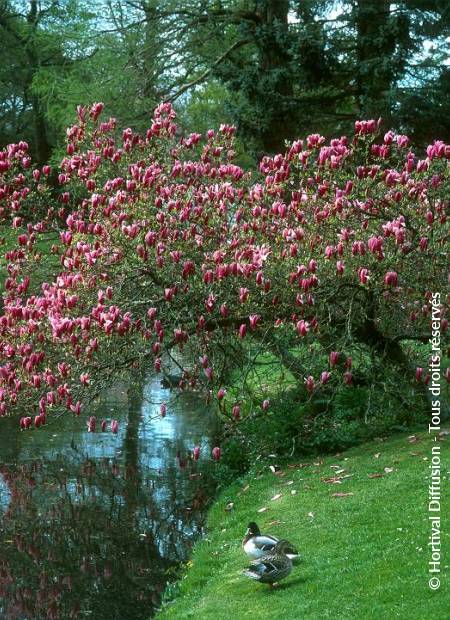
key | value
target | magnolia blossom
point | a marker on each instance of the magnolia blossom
(164, 241)
(221, 393)
(236, 412)
(391, 278)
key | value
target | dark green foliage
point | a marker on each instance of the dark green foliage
(327, 422)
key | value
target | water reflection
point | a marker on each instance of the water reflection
(93, 523)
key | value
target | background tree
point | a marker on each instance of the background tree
(282, 67)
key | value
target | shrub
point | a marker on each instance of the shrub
(331, 251)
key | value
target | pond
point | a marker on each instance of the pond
(94, 524)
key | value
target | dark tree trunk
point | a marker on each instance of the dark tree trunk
(149, 52)
(274, 62)
(42, 145)
(375, 49)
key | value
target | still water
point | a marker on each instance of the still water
(93, 525)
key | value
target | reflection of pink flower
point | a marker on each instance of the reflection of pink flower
(163, 410)
(114, 426)
(196, 453)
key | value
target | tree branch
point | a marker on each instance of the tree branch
(205, 74)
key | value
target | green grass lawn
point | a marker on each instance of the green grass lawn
(364, 555)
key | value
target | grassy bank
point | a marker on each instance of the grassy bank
(360, 521)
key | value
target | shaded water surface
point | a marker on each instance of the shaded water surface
(94, 524)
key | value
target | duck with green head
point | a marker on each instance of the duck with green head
(257, 545)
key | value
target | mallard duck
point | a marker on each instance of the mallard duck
(257, 545)
(272, 567)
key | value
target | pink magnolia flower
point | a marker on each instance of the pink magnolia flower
(216, 453)
(302, 327)
(265, 405)
(151, 313)
(423, 243)
(363, 275)
(242, 330)
(236, 412)
(84, 378)
(243, 294)
(324, 377)
(391, 278)
(196, 453)
(419, 373)
(254, 320)
(333, 358)
(76, 408)
(348, 378)
(309, 383)
(220, 394)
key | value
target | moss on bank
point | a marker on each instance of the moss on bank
(364, 553)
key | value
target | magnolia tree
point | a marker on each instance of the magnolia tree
(164, 244)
